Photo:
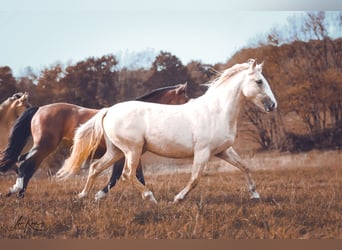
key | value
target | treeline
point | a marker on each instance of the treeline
(305, 76)
(98, 82)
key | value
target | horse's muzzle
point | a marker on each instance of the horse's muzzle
(269, 105)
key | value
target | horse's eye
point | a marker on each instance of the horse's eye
(259, 81)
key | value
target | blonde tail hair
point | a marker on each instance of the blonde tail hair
(86, 140)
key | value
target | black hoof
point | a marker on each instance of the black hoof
(21, 195)
(8, 194)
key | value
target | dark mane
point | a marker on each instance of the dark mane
(156, 93)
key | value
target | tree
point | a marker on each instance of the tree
(304, 70)
(198, 74)
(7, 83)
(91, 83)
(166, 70)
(49, 88)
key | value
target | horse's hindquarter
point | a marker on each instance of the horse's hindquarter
(60, 119)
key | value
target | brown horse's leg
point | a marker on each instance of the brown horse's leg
(29, 165)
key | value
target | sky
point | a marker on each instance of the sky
(39, 33)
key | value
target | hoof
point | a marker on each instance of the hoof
(21, 195)
(100, 195)
(177, 200)
(255, 196)
(8, 194)
(82, 195)
(149, 196)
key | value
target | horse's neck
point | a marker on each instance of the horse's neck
(4, 130)
(6, 122)
(7, 115)
(226, 100)
(3, 109)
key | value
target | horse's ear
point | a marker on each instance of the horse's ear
(25, 96)
(252, 63)
(181, 88)
(186, 85)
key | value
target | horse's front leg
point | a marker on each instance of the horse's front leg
(18, 186)
(116, 174)
(201, 158)
(233, 158)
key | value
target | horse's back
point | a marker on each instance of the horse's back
(60, 119)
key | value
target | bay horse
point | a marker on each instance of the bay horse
(202, 128)
(10, 110)
(50, 124)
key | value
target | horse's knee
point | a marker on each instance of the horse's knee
(126, 176)
(93, 171)
(126, 173)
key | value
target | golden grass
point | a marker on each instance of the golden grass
(297, 203)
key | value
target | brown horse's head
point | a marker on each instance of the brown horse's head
(180, 95)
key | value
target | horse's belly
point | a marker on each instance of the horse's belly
(172, 147)
(170, 151)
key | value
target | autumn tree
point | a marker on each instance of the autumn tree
(130, 84)
(49, 87)
(7, 83)
(166, 70)
(91, 83)
(317, 88)
(198, 74)
(305, 77)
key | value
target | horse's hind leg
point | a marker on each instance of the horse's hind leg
(27, 167)
(112, 154)
(233, 158)
(129, 172)
(116, 174)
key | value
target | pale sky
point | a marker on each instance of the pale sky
(38, 33)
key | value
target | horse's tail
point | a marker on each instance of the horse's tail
(86, 140)
(20, 133)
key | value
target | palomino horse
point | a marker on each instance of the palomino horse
(10, 110)
(202, 128)
(52, 123)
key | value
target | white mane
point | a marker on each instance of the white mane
(226, 74)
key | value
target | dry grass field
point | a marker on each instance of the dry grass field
(301, 201)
